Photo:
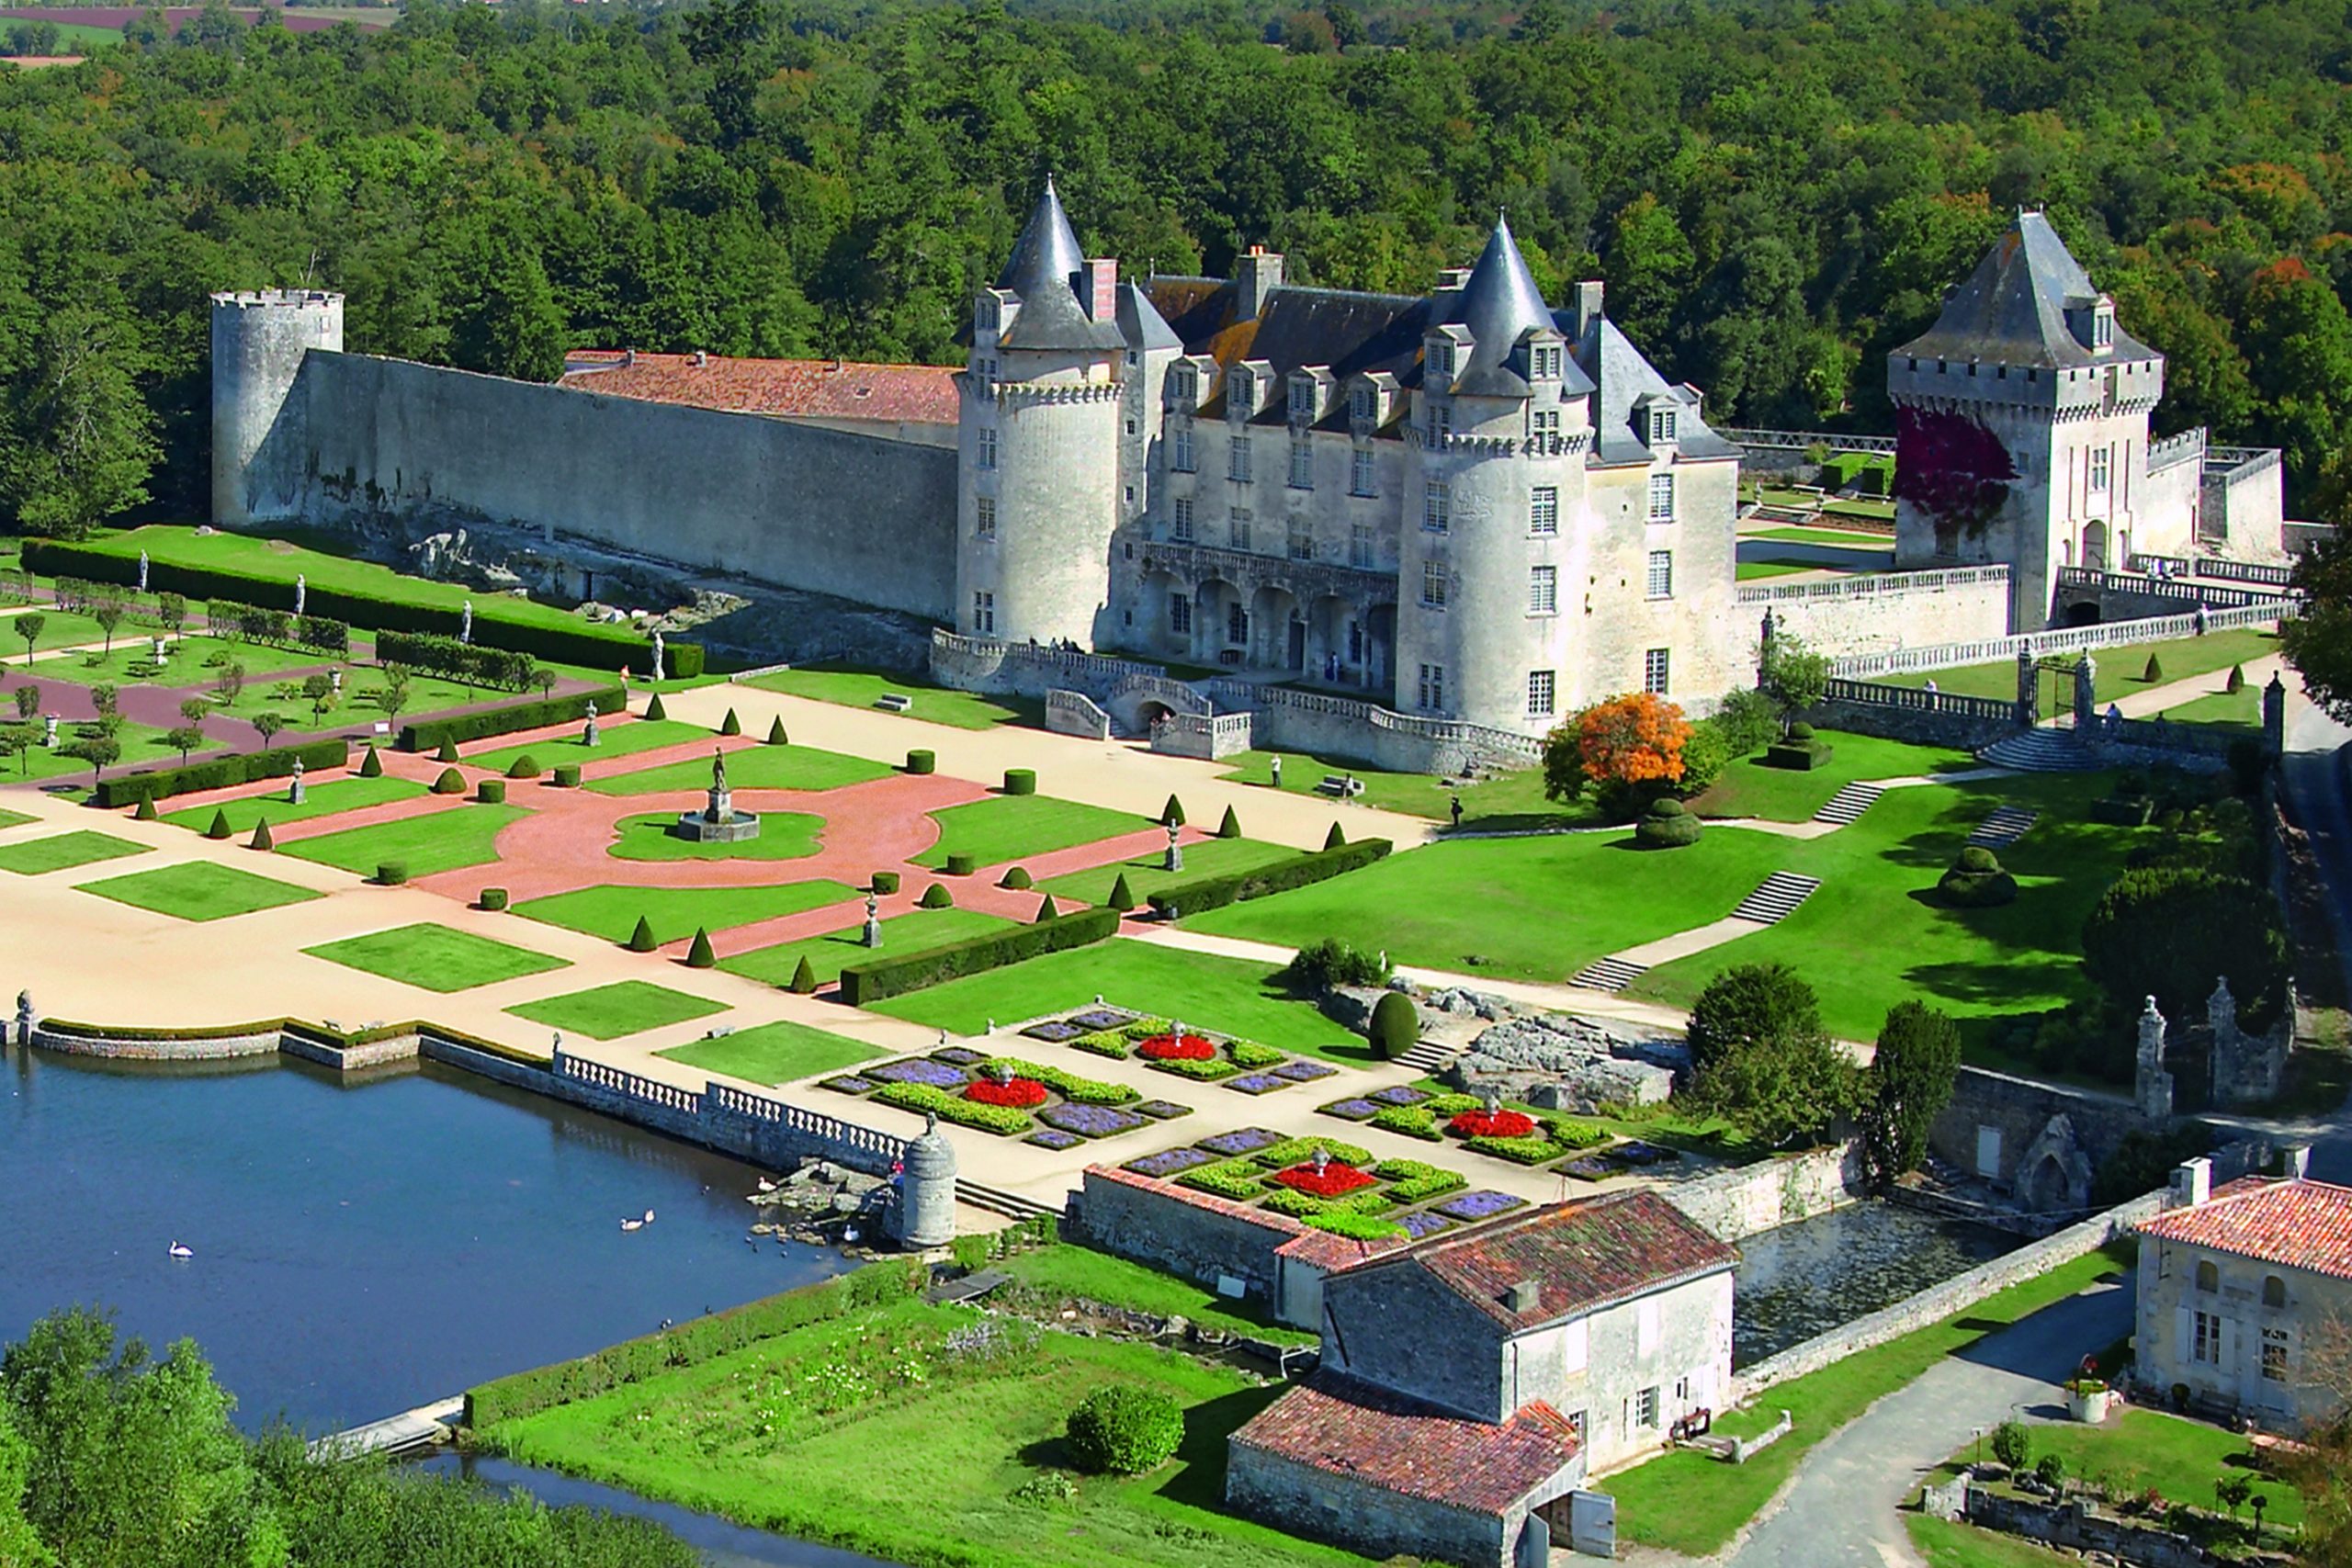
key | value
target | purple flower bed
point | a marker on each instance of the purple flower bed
(958, 1055)
(1403, 1094)
(1160, 1109)
(1167, 1162)
(1304, 1072)
(1051, 1138)
(1424, 1224)
(1257, 1083)
(1244, 1141)
(919, 1069)
(1352, 1110)
(850, 1083)
(1094, 1120)
(1590, 1167)
(1639, 1153)
(1056, 1030)
(1093, 1019)
(1479, 1205)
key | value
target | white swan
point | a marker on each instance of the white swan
(765, 1185)
(178, 1251)
(648, 1217)
(632, 1224)
(849, 1233)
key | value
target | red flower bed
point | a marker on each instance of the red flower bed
(1022, 1094)
(1491, 1124)
(1332, 1181)
(1169, 1048)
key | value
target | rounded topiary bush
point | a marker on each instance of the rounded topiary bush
(491, 792)
(1976, 881)
(492, 898)
(567, 775)
(921, 761)
(448, 752)
(886, 882)
(219, 827)
(1395, 1026)
(961, 864)
(371, 766)
(1020, 781)
(731, 725)
(1017, 879)
(804, 979)
(936, 896)
(524, 767)
(1665, 826)
(1800, 731)
(392, 873)
(698, 953)
(451, 782)
(1121, 1430)
(641, 939)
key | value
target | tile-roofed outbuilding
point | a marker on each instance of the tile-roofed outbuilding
(2296, 1223)
(1579, 1256)
(803, 388)
(2012, 309)
(1343, 1428)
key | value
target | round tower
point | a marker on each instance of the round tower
(923, 1214)
(259, 445)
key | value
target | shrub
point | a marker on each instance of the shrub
(1173, 813)
(1020, 781)
(1976, 881)
(2166, 930)
(2236, 682)
(451, 782)
(261, 839)
(871, 982)
(524, 767)
(1123, 897)
(1746, 1004)
(2012, 1445)
(1800, 731)
(921, 761)
(1003, 1120)
(654, 709)
(1665, 826)
(1395, 1026)
(1334, 839)
(1121, 1430)
(777, 736)
(448, 751)
(1353, 1225)
(446, 733)
(218, 828)
(960, 865)
(1298, 1151)
(1229, 826)
(886, 882)
(698, 953)
(1068, 1085)
(731, 725)
(1412, 1121)
(936, 896)
(1240, 1179)
(2155, 672)
(1410, 1181)
(1297, 1205)
(392, 873)
(1332, 961)
(245, 767)
(1747, 720)
(492, 899)
(2050, 1469)
(567, 775)
(1531, 1150)
(146, 812)
(1246, 1053)
(1047, 909)
(641, 939)
(1017, 878)
(1215, 892)
(491, 792)
(371, 766)
(1801, 755)
(1574, 1135)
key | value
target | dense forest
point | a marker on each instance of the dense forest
(1775, 190)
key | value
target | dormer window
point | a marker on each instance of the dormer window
(1241, 394)
(1544, 361)
(1440, 358)
(991, 312)
(1302, 399)
(1662, 426)
(2103, 327)
(1364, 405)
(1187, 384)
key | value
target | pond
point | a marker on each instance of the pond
(1806, 1279)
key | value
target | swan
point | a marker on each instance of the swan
(648, 1217)
(765, 1185)
(849, 1233)
(177, 1250)
(632, 1224)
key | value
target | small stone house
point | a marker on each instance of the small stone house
(1469, 1383)
(2233, 1285)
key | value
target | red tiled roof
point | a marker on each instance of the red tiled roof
(1579, 1256)
(813, 388)
(1343, 1427)
(2299, 1223)
(1265, 1219)
(1326, 1251)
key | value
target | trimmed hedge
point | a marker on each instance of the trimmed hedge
(1395, 1025)
(371, 766)
(451, 782)
(1976, 881)
(777, 736)
(1802, 755)
(492, 898)
(961, 864)
(524, 767)
(698, 954)
(886, 882)
(1020, 781)
(219, 826)
(1665, 826)
(641, 939)
(567, 775)
(731, 725)
(1001, 1119)
(921, 761)
(159, 784)
(470, 663)
(1215, 892)
(864, 983)
(491, 792)
(392, 873)
(431, 733)
(1230, 828)
(262, 839)
(804, 979)
(1017, 879)
(936, 896)
(598, 647)
(691, 1343)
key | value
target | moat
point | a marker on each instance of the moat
(1806, 1279)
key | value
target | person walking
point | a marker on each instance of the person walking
(1274, 766)
(1457, 814)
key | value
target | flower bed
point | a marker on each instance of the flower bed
(1175, 1048)
(1412, 1121)
(1306, 1072)
(1575, 1135)
(1169, 1162)
(1519, 1151)
(1400, 1094)
(1640, 1153)
(958, 1055)
(1103, 1043)
(1202, 1072)
(850, 1083)
(1277, 1153)
(1485, 1204)
(1483, 1124)
(917, 1070)
(1427, 1223)
(1297, 1205)
(1100, 1018)
(1240, 1179)
(1070, 1086)
(1054, 1138)
(1352, 1109)
(1452, 1104)
(1003, 1120)
(1053, 1030)
(1244, 1141)
(1587, 1169)
(1357, 1227)
(1410, 1181)
(1247, 1055)
(1024, 1094)
(1333, 1180)
(1160, 1109)
(1090, 1120)
(1257, 1083)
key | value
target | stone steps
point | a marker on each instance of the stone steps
(1775, 897)
(1608, 974)
(2041, 751)
(996, 1200)
(1429, 1058)
(1848, 803)
(2006, 826)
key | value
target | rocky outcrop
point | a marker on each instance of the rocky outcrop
(1569, 1063)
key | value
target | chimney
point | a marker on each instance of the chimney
(1259, 275)
(1588, 304)
(2192, 1183)
(1103, 288)
(2294, 1161)
(1523, 1297)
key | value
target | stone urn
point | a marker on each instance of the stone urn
(2089, 1400)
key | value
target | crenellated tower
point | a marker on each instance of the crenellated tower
(259, 341)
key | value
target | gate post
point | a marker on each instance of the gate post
(2029, 688)
(2087, 695)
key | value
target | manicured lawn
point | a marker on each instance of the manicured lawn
(1217, 857)
(936, 704)
(1509, 800)
(16, 818)
(1693, 1504)
(194, 661)
(1846, 561)
(1070, 1271)
(440, 840)
(1748, 788)
(2182, 1459)
(318, 800)
(830, 953)
(63, 852)
(1007, 828)
(199, 891)
(1837, 539)
(1224, 993)
(612, 912)
(1946, 1544)
(59, 628)
(2119, 669)
(613, 738)
(775, 1052)
(436, 958)
(2241, 709)
(141, 744)
(625, 1007)
(1752, 571)
(756, 767)
(783, 835)
(913, 1453)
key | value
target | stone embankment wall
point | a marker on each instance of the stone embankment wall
(2078, 1526)
(1190, 1233)
(133, 1045)
(1745, 1199)
(1886, 611)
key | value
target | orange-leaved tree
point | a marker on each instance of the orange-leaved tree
(1634, 739)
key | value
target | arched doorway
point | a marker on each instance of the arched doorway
(2082, 612)
(1164, 611)
(1335, 641)
(1380, 653)
(2094, 546)
(1281, 631)
(1220, 625)
(2046, 1188)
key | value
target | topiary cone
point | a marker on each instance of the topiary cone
(448, 752)
(261, 839)
(775, 732)
(371, 766)
(731, 725)
(1123, 897)
(146, 812)
(699, 956)
(1173, 813)
(1046, 911)
(641, 940)
(654, 709)
(804, 979)
(2155, 672)
(220, 828)
(1334, 838)
(2237, 678)
(1231, 827)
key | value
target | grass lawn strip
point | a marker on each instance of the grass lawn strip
(1217, 857)
(775, 1052)
(141, 744)
(625, 1007)
(936, 704)
(2182, 1459)
(612, 741)
(783, 835)
(318, 800)
(1068, 1271)
(834, 1431)
(436, 958)
(1752, 571)
(753, 767)
(1748, 788)
(1693, 1502)
(612, 912)
(2239, 710)
(1225, 994)
(199, 890)
(2119, 668)
(63, 852)
(1946, 1544)
(1505, 801)
(830, 953)
(440, 840)
(1007, 827)
(16, 818)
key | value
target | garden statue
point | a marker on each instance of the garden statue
(588, 737)
(1001, 1072)
(466, 622)
(717, 822)
(302, 594)
(143, 572)
(294, 793)
(335, 681)
(1322, 1159)
(24, 1018)
(657, 653)
(49, 730)
(1175, 850)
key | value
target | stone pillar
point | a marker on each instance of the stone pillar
(2274, 716)
(25, 1019)
(2026, 692)
(2087, 695)
(923, 1211)
(2152, 1086)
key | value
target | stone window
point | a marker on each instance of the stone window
(1540, 694)
(2205, 1341)
(1662, 423)
(1543, 590)
(1188, 385)
(2209, 1278)
(1543, 427)
(2100, 459)
(1653, 671)
(1437, 506)
(1180, 612)
(1237, 526)
(1661, 498)
(1241, 395)
(2103, 329)
(991, 312)
(1431, 691)
(1578, 1421)
(1236, 459)
(1364, 405)
(1547, 360)
(984, 516)
(1302, 398)
(2274, 1355)
(1131, 427)
(1543, 510)
(986, 441)
(984, 613)
(1302, 464)
(1180, 458)
(1645, 1407)
(1302, 542)
(1661, 575)
(2274, 1291)
(1237, 623)
(1433, 584)
(984, 370)
(1181, 520)
(1360, 543)
(1361, 479)
(1441, 424)
(1440, 358)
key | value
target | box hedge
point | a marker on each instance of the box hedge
(1020, 781)
(491, 792)
(492, 898)
(921, 761)
(392, 873)
(567, 775)
(1215, 892)
(158, 783)
(961, 863)
(886, 882)
(428, 734)
(864, 983)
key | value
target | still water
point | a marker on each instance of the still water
(1806, 1279)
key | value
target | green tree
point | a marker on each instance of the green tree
(266, 724)
(503, 318)
(76, 439)
(2170, 930)
(1746, 1004)
(2318, 640)
(29, 628)
(1793, 675)
(107, 609)
(185, 737)
(1908, 1084)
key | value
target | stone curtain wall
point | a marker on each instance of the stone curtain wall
(2076, 1524)
(1372, 1519)
(1190, 1233)
(856, 516)
(1749, 1199)
(135, 1047)
(1887, 611)
(2018, 1109)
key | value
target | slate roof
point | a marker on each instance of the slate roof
(1353, 333)
(1622, 376)
(811, 388)
(1581, 1256)
(2298, 1224)
(2012, 309)
(1343, 1428)
(1046, 269)
(1500, 304)
(1047, 247)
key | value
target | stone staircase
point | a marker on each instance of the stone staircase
(2006, 826)
(1429, 1058)
(1775, 897)
(1848, 803)
(1608, 974)
(996, 1200)
(2041, 751)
